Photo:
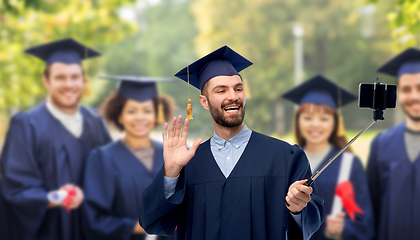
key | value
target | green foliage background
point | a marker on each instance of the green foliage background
(344, 40)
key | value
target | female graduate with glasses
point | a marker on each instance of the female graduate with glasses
(117, 174)
(343, 185)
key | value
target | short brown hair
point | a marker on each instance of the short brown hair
(114, 104)
(337, 141)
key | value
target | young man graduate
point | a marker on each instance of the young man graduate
(394, 163)
(46, 148)
(234, 185)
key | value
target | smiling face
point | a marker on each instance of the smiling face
(138, 118)
(315, 124)
(65, 84)
(224, 97)
(409, 95)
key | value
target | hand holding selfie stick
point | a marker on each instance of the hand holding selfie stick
(376, 96)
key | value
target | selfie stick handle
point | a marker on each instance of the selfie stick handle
(313, 177)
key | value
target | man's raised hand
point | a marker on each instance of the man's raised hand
(175, 152)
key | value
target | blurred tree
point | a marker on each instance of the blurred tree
(404, 20)
(339, 42)
(94, 23)
(162, 48)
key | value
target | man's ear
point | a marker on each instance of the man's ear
(46, 82)
(204, 102)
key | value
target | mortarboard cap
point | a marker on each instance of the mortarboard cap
(407, 62)
(67, 51)
(320, 90)
(137, 88)
(223, 61)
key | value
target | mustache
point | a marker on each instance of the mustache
(237, 102)
(412, 102)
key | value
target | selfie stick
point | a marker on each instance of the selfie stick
(317, 173)
(377, 115)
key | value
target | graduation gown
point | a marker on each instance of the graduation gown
(362, 227)
(41, 155)
(114, 182)
(249, 204)
(394, 183)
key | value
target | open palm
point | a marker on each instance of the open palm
(175, 152)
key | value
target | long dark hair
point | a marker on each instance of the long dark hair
(114, 104)
(337, 141)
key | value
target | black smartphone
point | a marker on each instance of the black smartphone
(377, 95)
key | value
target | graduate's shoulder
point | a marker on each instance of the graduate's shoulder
(356, 160)
(389, 134)
(30, 116)
(108, 149)
(91, 112)
(274, 142)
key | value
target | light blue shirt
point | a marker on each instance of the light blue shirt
(226, 154)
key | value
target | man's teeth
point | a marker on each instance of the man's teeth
(235, 108)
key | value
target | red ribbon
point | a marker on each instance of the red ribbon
(71, 193)
(345, 191)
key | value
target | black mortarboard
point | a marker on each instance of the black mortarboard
(407, 62)
(137, 88)
(320, 90)
(67, 51)
(223, 61)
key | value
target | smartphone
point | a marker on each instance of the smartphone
(377, 95)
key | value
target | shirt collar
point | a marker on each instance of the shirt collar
(63, 117)
(242, 137)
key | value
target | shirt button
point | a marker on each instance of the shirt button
(228, 143)
(237, 146)
(220, 147)
(228, 158)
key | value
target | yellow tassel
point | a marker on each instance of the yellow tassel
(340, 128)
(189, 110)
(246, 89)
(161, 114)
(87, 91)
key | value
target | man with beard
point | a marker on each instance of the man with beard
(234, 185)
(46, 148)
(394, 163)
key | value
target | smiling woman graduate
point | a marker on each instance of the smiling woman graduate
(343, 185)
(117, 174)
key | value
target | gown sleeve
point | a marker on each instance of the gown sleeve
(298, 168)
(362, 227)
(373, 178)
(22, 182)
(100, 222)
(159, 215)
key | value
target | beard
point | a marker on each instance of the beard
(408, 114)
(217, 115)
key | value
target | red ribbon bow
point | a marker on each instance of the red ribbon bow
(71, 193)
(345, 191)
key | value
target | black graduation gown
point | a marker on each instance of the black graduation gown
(394, 183)
(362, 227)
(114, 182)
(249, 204)
(41, 155)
